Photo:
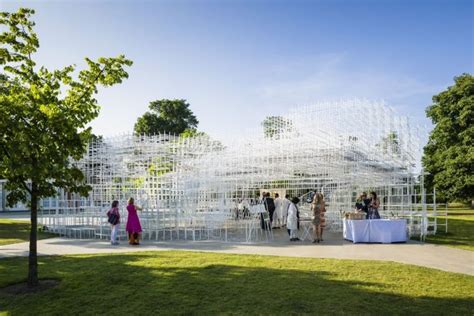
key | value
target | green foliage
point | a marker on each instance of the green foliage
(274, 126)
(192, 132)
(160, 167)
(184, 282)
(170, 116)
(449, 154)
(45, 113)
(204, 138)
(278, 184)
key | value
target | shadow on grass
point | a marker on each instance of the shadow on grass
(177, 283)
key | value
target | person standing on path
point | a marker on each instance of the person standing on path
(270, 206)
(134, 229)
(285, 204)
(114, 219)
(318, 207)
(277, 216)
(292, 221)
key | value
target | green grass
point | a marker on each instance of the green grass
(14, 231)
(460, 229)
(460, 211)
(178, 282)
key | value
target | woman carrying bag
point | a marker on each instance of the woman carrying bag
(114, 220)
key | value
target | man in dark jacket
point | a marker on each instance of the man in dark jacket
(269, 206)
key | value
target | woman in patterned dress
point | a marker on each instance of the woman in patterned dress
(318, 207)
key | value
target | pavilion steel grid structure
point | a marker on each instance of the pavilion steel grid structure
(196, 186)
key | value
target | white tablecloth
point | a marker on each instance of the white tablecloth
(375, 230)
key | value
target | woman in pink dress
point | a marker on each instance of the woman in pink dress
(133, 228)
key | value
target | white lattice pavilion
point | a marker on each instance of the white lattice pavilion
(337, 148)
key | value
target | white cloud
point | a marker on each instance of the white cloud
(328, 77)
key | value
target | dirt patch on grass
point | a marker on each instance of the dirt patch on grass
(23, 288)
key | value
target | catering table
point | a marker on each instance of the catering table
(375, 230)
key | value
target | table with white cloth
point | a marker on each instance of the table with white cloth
(375, 230)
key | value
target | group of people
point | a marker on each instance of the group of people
(133, 228)
(283, 211)
(368, 205)
(277, 209)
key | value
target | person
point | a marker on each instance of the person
(277, 215)
(292, 220)
(310, 196)
(285, 204)
(366, 205)
(359, 205)
(246, 205)
(262, 199)
(374, 206)
(256, 200)
(318, 207)
(134, 229)
(362, 204)
(114, 219)
(240, 209)
(270, 207)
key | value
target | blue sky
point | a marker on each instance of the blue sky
(238, 61)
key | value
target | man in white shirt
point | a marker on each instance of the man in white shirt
(277, 216)
(285, 204)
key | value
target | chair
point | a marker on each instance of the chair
(267, 226)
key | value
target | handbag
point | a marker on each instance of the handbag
(113, 218)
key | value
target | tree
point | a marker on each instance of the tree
(275, 126)
(449, 155)
(192, 132)
(204, 138)
(44, 119)
(170, 116)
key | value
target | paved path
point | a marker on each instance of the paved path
(426, 255)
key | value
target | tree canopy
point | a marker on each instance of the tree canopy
(44, 118)
(170, 116)
(449, 154)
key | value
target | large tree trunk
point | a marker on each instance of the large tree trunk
(33, 257)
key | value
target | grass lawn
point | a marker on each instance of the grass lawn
(460, 230)
(177, 282)
(14, 231)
